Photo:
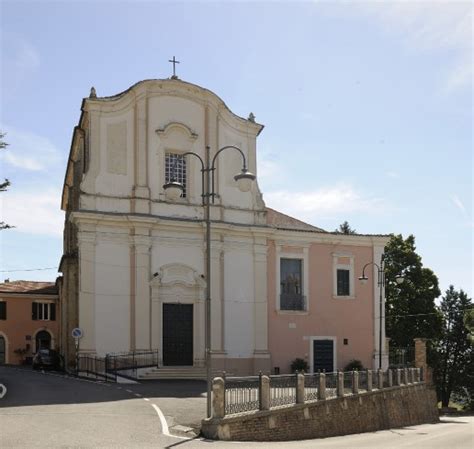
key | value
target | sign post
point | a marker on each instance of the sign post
(77, 335)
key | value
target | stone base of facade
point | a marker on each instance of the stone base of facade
(241, 366)
(378, 410)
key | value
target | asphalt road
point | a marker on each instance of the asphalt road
(52, 411)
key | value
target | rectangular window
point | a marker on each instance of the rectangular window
(291, 284)
(3, 310)
(43, 311)
(343, 284)
(175, 169)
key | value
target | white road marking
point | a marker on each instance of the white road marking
(146, 399)
(129, 391)
(138, 395)
(3, 390)
(164, 424)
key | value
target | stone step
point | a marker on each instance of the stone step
(177, 373)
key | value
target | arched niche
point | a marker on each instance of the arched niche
(177, 284)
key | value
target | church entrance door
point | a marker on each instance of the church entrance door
(177, 334)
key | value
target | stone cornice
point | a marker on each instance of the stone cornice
(177, 224)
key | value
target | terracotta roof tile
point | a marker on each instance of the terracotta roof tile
(29, 287)
(277, 219)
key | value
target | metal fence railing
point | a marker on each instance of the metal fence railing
(363, 380)
(241, 394)
(113, 364)
(282, 390)
(252, 393)
(331, 385)
(401, 357)
(311, 386)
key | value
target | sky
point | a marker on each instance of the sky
(367, 107)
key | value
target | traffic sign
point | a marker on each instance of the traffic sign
(77, 333)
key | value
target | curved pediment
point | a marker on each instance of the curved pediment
(179, 127)
(176, 273)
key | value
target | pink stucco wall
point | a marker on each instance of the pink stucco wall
(341, 318)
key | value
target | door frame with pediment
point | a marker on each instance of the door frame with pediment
(178, 284)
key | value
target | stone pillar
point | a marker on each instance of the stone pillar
(405, 376)
(421, 359)
(300, 388)
(418, 374)
(398, 377)
(218, 398)
(380, 379)
(369, 380)
(264, 393)
(390, 378)
(355, 382)
(322, 387)
(340, 384)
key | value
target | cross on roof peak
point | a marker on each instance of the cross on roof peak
(174, 62)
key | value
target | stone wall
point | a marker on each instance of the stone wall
(376, 410)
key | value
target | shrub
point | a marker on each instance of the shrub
(299, 365)
(354, 365)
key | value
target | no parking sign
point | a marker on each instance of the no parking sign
(77, 334)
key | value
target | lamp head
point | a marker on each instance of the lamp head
(244, 180)
(399, 279)
(173, 190)
(363, 279)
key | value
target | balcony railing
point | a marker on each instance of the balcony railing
(292, 301)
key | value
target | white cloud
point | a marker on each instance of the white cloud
(33, 212)
(427, 26)
(459, 204)
(328, 202)
(20, 60)
(29, 151)
(393, 174)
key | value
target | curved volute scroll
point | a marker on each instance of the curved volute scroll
(171, 127)
(176, 273)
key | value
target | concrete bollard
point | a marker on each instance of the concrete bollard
(355, 382)
(398, 377)
(218, 398)
(390, 378)
(300, 388)
(369, 380)
(264, 393)
(340, 384)
(380, 379)
(322, 387)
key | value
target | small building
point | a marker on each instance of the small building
(29, 319)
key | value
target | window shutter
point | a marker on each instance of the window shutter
(34, 313)
(52, 312)
(3, 310)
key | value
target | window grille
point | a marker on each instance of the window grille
(175, 170)
(291, 285)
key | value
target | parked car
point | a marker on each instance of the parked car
(47, 358)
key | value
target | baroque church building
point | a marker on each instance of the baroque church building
(134, 262)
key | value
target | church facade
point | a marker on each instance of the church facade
(134, 274)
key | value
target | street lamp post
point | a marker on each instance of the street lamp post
(173, 191)
(381, 283)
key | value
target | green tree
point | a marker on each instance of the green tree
(345, 228)
(6, 183)
(453, 352)
(410, 308)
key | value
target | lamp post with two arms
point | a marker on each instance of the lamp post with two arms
(173, 191)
